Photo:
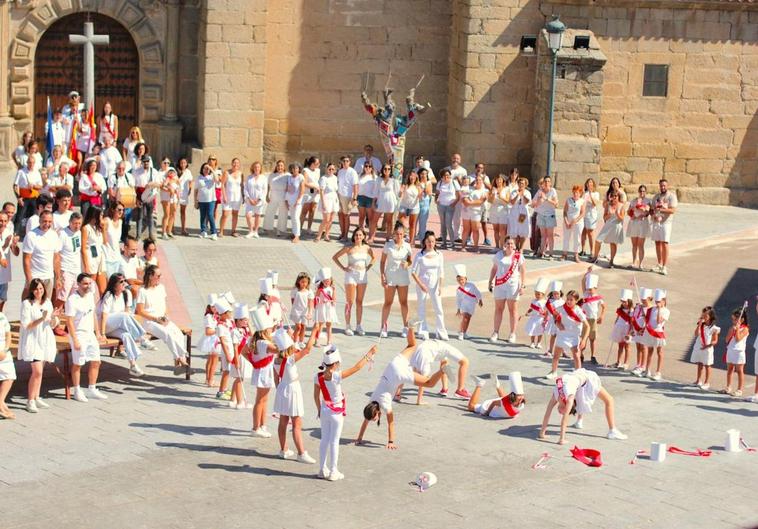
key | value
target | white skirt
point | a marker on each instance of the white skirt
(519, 229)
(590, 219)
(620, 332)
(289, 400)
(586, 395)
(7, 368)
(638, 228)
(534, 325)
(612, 232)
(326, 313)
(702, 356)
(649, 340)
(258, 209)
(264, 377)
(499, 214)
(567, 341)
(736, 357)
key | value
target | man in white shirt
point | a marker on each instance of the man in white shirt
(368, 156)
(664, 207)
(63, 212)
(40, 247)
(26, 185)
(130, 265)
(147, 182)
(68, 262)
(85, 337)
(457, 171)
(44, 203)
(109, 157)
(8, 248)
(347, 192)
(59, 131)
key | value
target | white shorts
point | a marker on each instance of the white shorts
(507, 290)
(423, 363)
(399, 278)
(660, 232)
(258, 209)
(356, 277)
(331, 203)
(499, 215)
(498, 412)
(89, 352)
(467, 214)
(232, 205)
(567, 341)
(546, 221)
(702, 356)
(264, 378)
(7, 369)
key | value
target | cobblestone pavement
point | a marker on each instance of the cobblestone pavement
(161, 452)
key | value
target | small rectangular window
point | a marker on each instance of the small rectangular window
(656, 80)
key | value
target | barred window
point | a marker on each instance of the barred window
(656, 81)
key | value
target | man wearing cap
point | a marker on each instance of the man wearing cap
(71, 113)
(147, 182)
(506, 405)
(664, 207)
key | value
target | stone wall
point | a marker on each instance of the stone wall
(321, 53)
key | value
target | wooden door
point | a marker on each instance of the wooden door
(58, 69)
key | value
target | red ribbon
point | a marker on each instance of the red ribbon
(508, 406)
(696, 453)
(624, 315)
(571, 314)
(281, 368)
(467, 292)
(588, 456)
(536, 308)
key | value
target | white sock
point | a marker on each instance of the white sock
(92, 386)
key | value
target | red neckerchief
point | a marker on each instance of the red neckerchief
(467, 292)
(655, 334)
(571, 314)
(514, 263)
(327, 398)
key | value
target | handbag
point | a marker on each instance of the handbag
(126, 195)
(150, 193)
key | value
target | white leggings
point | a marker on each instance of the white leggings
(170, 334)
(571, 238)
(436, 300)
(331, 430)
(124, 326)
(294, 211)
(275, 208)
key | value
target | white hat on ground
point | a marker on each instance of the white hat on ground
(265, 285)
(660, 294)
(542, 284)
(517, 385)
(241, 311)
(425, 480)
(282, 339)
(626, 294)
(261, 319)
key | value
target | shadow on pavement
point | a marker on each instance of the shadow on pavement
(225, 450)
(742, 411)
(255, 470)
(192, 430)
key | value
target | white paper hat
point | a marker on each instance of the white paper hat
(646, 293)
(660, 294)
(331, 356)
(222, 307)
(542, 284)
(241, 311)
(593, 280)
(261, 320)
(323, 274)
(460, 270)
(626, 294)
(282, 339)
(425, 480)
(274, 275)
(265, 285)
(212, 298)
(556, 286)
(517, 385)
(229, 297)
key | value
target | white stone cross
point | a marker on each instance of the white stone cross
(89, 40)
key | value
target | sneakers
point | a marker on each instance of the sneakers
(404, 332)
(637, 371)
(148, 345)
(616, 434)
(487, 242)
(213, 237)
(424, 335)
(348, 331)
(461, 336)
(657, 376)
(336, 476)
(493, 337)
(323, 473)
(287, 454)
(250, 235)
(463, 394)
(478, 382)
(203, 235)
(260, 432)
(737, 393)
(532, 345)
(31, 406)
(512, 338)
(753, 398)
(493, 377)
(95, 393)
(135, 371)
(664, 272)
(41, 404)
(705, 387)
(622, 367)
(593, 361)
(443, 392)
(552, 375)
(442, 335)
(305, 458)
(579, 424)
(79, 395)
(359, 331)
(382, 334)
(726, 391)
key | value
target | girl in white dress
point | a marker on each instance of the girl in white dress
(396, 260)
(591, 202)
(169, 201)
(360, 259)
(506, 282)
(706, 337)
(325, 302)
(330, 203)
(573, 330)
(185, 192)
(117, 321)
(622, 328)
(654, 336)
(231, 196)
(736, 342)
(7, 369)
(471, 214)
(520, 222)
(301, 298)
(428, 271)
(537, 314)
(311, 194)
(545, 202)
(113, 223)
(638, 228)
(256, 188)
(573, 222)
(554, 302)
(293, 199)
(288, 401)
(575, 393)
(387, 193)
(638, 329)
(409, 206)
(260, 350)
(209, 342)
(36, 342)
(500, 198)
(93, 253)
(612, 231)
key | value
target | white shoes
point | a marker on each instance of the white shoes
(31, 406)
(616, 434)
(336, 476)
(305, 458)
(147, 345)
(41, 404)
(552, 375)
(404, 332)
(512, 338)
(478, 382)
(135, 371)
(324, 473)
(442, 335)
(287, 454)
(494, 337)
(250, 235)
(637, 371)
(359, 331)
(260, 432)
(461, 336)
(348, 331)
(657, 376)
(532, 345)
(79, 395)
(382, 334)
(753, 398)
(95, 393)
(213, 237)
(705, 387)
(579, 424)
(424, 335)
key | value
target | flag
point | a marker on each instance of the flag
(50, 140)
(72, 150)
(91, 123)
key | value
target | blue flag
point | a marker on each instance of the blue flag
(50, 141)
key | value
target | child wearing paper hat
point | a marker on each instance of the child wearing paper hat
(325, 303)
(706, 337)
(638, 326)
(654, 337)
(270, 295)
(622, 327)
(507, 405)
(554, 302)
(537, 315)
(224, 331)
(261, 351)
(593, 306)
(209, 342)
(467, 296)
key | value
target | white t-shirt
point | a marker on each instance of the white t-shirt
(333, 386)
(61, 220)
(457, 173)
(82, 310)
(109, 159)
(111, 304)
(206, 188)
(154, 300)
(71, 251)
(129, 267)
(545, 207)
(346, 179)
(26, 178)
(87, 183)
(367, 185)
(397, 372)
(42, 246)
(571, 326)
(447, 191)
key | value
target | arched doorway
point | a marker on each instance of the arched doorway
(58, 69)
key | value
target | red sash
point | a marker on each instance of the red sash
(110, 130)
(260, 364)
(571, 314)
(243, 342)
(281, 368)
(702, 337)
(508, 406)
(514, 263)
(621, 313)
(467, 292)
(592, 298)
(327, 398)
(697, 452)
(635, 316)
(655, 334)
(322, 292)
(536, 308)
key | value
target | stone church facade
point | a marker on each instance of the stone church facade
(645, 90)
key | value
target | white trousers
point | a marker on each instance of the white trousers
(294, 212)
(572, 237)
(433, 296)
(125, 327)
(277, 208)
(171, 335)
(329, 447)
(457, 221)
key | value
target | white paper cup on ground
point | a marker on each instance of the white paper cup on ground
(658, 452)
(732, 441)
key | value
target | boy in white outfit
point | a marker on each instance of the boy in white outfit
(593, 306)
(467, 297)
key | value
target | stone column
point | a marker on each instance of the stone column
(169, 128)
(7, 133)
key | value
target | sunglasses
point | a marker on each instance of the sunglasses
(119, 209)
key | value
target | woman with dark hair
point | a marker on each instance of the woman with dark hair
(385, 204)
(330, 202)
(366, 195)
(91, 187)
(185, 190)
(638, 228)
(615, 185)
(591, 203)
(311, 195)
(152, 307)
(410, 194)
(93, 252)
(107, 124)
(424, 203)
(117, 320)
(428, 271)
(37, 342)
(134, 158)
(112, 231)
(205, 201)
(612, 231)
(396, 260)
(360, 259)
(507, 282)
(231, 193)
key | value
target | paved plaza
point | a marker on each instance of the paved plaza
(162, 452)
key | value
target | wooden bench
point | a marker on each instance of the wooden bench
(64, 349)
